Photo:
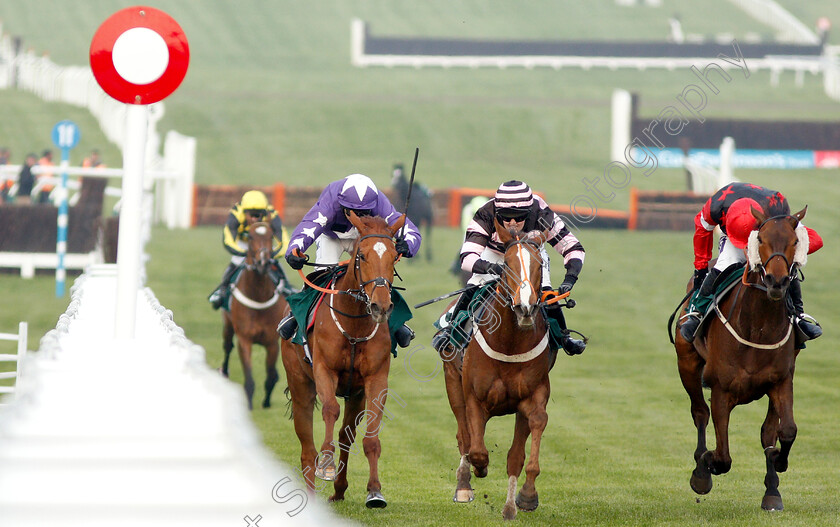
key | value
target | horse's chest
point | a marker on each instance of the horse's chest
(505, 394)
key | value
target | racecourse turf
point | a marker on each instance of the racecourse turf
(271, 96)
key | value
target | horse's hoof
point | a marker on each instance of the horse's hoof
(325, 473)
(527, 504)
(375, 500)
(223, 372)
(700, 482)
(509, 511)
(463, 496)
(335, 497)
(772, 503)
(266, 404)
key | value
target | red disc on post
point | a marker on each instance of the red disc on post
(139, 55)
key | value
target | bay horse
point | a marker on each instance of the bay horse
(419, 207)
(256, 307)
(748, 351)
(351, 357)
(504, 370)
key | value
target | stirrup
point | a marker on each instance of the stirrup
(286, 328)
(809, 325)
(690, 323)
(404, 335)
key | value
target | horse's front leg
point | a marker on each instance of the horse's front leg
(272, 349)
(536, 421)
(717, 461)
(227, 342)
(376, 393)
(244, 347)
(302, 393)
(326, 382)
(352, 414)
(455, 394)
(476, 424)
(515, 462)
(778, 424)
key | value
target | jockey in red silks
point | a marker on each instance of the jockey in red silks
(515, 207)
(327, 225)
(729, 208)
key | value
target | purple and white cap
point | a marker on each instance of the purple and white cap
(358, 192)
(514, 195)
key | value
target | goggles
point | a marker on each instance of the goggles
(511, 215)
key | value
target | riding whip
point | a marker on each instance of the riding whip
(410, 185)
(442, 297)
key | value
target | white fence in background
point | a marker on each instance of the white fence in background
(136, 432)
(22, 340)
(76, 85)
(788, 27)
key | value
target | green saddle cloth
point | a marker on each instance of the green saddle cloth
(302, 303)
(723, 284)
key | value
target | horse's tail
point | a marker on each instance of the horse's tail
(674, 315)
(288, 393)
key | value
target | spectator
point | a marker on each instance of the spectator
(46, 176)
(26, 180)
(93, 160)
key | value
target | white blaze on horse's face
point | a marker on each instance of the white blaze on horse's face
(524, 279)
(261, 230)
(380, 248)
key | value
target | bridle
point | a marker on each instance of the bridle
(360, 294)
(519, 242)
(761, 267)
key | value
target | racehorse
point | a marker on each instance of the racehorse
(351, 357)
(747, 352)
(504, 370)
(255, 310)
(419, 207)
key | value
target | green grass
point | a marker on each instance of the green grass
(271, 96)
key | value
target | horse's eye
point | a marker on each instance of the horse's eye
(759, 240)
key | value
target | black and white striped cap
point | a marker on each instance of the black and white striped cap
(514, 195)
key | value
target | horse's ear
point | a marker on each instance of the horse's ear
(757, 214)
(801, 214)
(543, 237)
(398, 225)
(355, 220)
(504, 234)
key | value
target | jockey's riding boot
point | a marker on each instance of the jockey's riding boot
(218, 296)
(697, 306)
(443, 337)
(808, 324)
(286, 328)
(571, 346)
(404, 336)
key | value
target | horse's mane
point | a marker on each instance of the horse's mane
(374, 223)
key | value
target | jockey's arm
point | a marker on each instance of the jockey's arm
(277, 228)
(569, 247)
(410, 232)
(313, 224)
(229, 235)
(704, 238)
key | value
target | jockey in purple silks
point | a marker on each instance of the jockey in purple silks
(327, 225)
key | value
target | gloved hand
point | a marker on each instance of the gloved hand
(699, 276)
(496, 269)
(296, 259)
(565, 287)
(402, 246)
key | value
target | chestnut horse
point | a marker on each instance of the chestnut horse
(351, 357)
(256, 307)
(748, 351)
(504, 370)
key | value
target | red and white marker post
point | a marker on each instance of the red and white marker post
(139, 56)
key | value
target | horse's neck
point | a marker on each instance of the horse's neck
(507, 319)
(753, 305)
(255, 286)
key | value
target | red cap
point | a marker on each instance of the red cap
(740, 221)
